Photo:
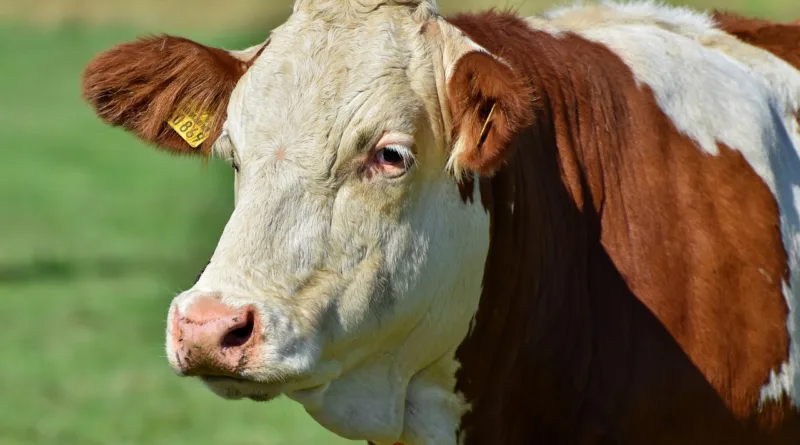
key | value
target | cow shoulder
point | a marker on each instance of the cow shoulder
(737, 104)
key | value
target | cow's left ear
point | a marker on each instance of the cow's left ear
(489, 101)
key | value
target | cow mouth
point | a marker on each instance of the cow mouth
(235, 388)
(231, 387)
(223, 380)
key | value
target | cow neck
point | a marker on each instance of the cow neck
(529, 340)
(561, 349)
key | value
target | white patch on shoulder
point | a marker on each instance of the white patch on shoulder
(714, 88)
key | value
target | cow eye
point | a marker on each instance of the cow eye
(390, 155)
(393, 160)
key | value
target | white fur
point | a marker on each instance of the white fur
(715, 88)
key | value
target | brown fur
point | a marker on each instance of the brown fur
(633, 295)
(781, 39)
(479, 83)
(138, 85)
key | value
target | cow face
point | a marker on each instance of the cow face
(351, 266)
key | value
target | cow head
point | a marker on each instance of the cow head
(351, 266)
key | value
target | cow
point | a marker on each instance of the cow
(581, 227)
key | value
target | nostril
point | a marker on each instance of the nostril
(241, 333)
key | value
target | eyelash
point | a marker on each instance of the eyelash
(407, 156)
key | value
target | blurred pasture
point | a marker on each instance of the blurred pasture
(97, 232)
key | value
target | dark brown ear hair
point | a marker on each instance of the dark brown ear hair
(490, 104)
(139, 85)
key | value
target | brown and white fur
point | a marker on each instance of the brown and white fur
(586, 231)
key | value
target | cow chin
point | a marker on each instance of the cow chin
(309, 389)
(375, 402)
(237, 389)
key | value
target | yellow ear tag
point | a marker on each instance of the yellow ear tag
(191, 125)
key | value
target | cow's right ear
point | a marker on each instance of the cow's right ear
(168, 91)
(488, 102)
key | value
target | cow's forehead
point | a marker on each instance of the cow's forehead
(327, 86)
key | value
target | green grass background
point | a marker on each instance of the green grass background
(98, 232)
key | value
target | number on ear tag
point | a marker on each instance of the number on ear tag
(191, 125)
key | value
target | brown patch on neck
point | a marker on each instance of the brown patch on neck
(625, 299)
(781, 39)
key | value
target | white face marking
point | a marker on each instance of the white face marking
(365, 283)
(714, 88)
